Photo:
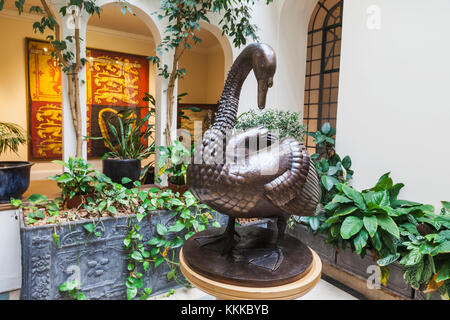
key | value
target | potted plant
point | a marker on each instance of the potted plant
(173, 162)
(128, 146)
(76, 183)
(14, 175)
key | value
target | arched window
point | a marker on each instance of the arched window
(322, 66)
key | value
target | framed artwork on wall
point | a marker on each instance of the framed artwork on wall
(114, 81)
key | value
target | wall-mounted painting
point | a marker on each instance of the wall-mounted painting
(114, 81)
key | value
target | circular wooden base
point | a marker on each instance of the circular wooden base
(224, 291)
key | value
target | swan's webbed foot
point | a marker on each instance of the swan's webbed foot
(271, 260)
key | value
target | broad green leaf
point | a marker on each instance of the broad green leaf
(345, 210)
(376, 241)
(329, 182)
(326, 127)
(388, 259)
(351, 226)
(346, 162)
(314, 222)
(388, 224)
(442, 236)
(371, 224)
(444, 272)
(444, 247)
(136, 255)
(360, 241)
(412, 258)
(341, 199)
(384, 183)
(355, 196)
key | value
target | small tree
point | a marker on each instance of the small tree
(69, 60)
(184, 17)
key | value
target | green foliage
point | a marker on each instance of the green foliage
(184, 17)
(78, 179)
(73, 288)
(288, 124)
(173, 161)
(128, 136)
(332, 170)
(11, 137)
(189, 217)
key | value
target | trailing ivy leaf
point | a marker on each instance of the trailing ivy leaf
(112, 209)
(371, 224)
(56, 238)
(131, 293)
(90, 227)
(360, 241)
(126, 180)
(177, 227)
(351, 226)
(161, 229)
(388, 259)
(136, 255)
(158, 261)
(37, 199)
(388, 224)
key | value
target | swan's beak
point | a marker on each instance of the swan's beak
(263, 87)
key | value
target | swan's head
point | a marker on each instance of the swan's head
(264, 66)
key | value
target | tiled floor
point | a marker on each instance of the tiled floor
(323, 291)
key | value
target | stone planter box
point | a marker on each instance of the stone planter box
(98, 262)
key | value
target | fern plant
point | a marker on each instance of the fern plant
(11, 137)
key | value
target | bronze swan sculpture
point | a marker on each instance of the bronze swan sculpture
(263, 183)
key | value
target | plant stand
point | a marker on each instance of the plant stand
(224, 291)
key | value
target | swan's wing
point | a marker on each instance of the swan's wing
(297, 191)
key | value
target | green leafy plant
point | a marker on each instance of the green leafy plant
(369, 220)
(287, 123)
(11, 137)
(180, 34)
(173, 161)
(73, 288)
(77, 180)
(332, 170)
(129, 136)
(425, 251)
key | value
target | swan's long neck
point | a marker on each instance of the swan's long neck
(229, 101)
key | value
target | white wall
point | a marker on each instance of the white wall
(394, 112)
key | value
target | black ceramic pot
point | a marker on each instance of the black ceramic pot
(14, 179)
(117, 169)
